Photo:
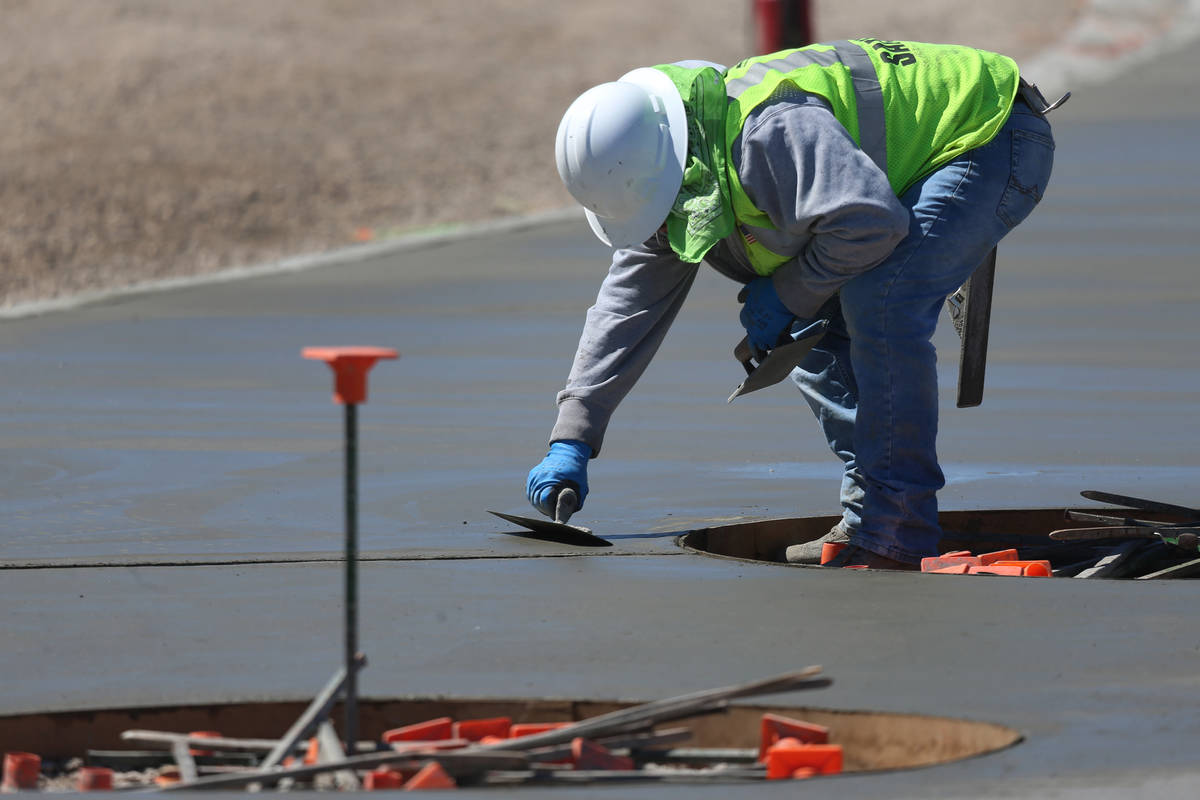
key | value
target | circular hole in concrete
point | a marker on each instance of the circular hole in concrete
(870, 740)
(983, 531)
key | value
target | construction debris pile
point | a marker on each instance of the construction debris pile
(1162, 541)
(623, 745)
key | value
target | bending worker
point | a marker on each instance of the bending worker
(859, 182)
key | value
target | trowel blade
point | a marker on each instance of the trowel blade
(548, 531)
(779, 363)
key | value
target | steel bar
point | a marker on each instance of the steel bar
(705, 755)
(183, 759)
(211, 742)
(1187, 569)
(633, 741)
(316, 713)
(649, 714)
(668, 775)
(458, 763)
(350, 704)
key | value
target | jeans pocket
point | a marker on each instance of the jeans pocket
(1032, 160)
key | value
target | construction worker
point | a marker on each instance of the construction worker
(859, 182)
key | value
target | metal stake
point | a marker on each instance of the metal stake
(351, 580)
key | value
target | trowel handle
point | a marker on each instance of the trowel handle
(744, 353)
(566, 504)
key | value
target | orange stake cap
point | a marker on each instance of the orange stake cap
(21, 770)
(934, 563)
(776, 727)
(999, 555)
(431, 776)
(954, 569)
(831, 549)
(1039, 568)
(197, 751)
(476, 729)
(350, 366)
(531, 728)
(429, 731)
(788, 756)
(94, 779)
(997, 569)
(588, 755)
(383, 778)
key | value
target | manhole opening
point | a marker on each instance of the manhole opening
(870, 740)
(981, 531)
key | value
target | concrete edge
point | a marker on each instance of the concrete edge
(341, 256)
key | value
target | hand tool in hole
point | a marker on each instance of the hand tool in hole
(1183, 538)
(1142, 503)
(777, 364)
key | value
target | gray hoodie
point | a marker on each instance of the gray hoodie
(835, 214)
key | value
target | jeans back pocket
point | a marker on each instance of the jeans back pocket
(1032, 160)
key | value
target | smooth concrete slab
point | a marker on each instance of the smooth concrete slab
(183, 427)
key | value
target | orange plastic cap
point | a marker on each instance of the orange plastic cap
(775, 727)
(94, 779)
(589, 755)
(532, 728)
(999, 555)
(197, 751)
(831, 549)
(431, 776)
(953, 569)
(429, 731)
(997, 569)
(475, 729)
(788, 755)
(21, 770)
(383, 778)
(1039, 568)
(934, 563)
(350, 366)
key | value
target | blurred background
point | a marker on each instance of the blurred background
(146, 139)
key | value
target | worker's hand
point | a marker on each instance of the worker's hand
(764, 316)
(564, 465)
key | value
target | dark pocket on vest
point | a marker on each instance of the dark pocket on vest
(1032, 160)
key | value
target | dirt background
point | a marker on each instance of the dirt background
(146, 139)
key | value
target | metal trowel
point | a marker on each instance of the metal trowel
(778, 363)
(558, 530)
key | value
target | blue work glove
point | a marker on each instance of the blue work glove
(564, 465)
(764, 316)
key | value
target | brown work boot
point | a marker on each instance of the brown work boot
(854, 556)
(810, 552)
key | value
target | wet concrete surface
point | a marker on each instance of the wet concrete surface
(184, 427)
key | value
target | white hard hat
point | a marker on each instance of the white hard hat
(621, 150)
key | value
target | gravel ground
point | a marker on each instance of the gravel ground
(149, 139)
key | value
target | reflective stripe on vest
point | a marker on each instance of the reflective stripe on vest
(868, 95)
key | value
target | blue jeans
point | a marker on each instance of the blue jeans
(872, 381)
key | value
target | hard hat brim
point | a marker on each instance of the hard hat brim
(638, 226)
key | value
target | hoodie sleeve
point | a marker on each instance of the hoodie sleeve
(799, 166)
(638, 300)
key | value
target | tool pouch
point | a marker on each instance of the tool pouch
(1032, 95)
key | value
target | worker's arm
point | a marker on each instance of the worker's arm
(801, 168)
(638, 300)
